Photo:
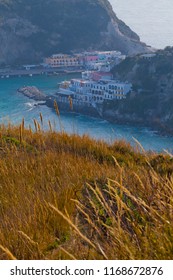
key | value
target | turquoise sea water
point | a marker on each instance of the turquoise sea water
(14, 106)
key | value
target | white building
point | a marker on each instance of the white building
(96, 91)
(148, 56)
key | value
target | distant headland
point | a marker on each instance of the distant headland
(31, 30)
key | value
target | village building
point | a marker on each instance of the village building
(95, 91)
(97, 60)
(63, 60)
(148, 56)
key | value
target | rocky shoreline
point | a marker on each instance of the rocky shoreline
(158, 128)
(34, 93)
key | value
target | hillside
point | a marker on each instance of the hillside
(71, 197)
(152, 97)
(31, 30)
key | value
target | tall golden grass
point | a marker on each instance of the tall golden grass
(72, 197)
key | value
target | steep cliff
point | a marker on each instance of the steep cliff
(30, 30)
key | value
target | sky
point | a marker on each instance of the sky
(152, 20)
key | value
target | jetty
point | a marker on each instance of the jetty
(33, 93)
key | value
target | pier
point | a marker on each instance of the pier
(9, 73)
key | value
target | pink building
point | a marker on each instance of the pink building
(91, 58)
(96, 76)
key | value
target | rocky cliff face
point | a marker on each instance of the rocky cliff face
(152, 97)
(30, 30)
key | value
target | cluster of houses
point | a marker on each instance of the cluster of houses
(94, 88)
(96, 84)
(96, 60)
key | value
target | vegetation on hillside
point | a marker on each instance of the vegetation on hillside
(152, 96)
(72, 197)
(42, 28)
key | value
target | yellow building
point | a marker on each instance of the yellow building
(63, 60)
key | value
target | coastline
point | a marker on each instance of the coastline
(159, 129)
(92, 112)
(86, 109)
(79, 122)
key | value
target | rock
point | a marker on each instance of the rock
(31, 30)
(32, 92)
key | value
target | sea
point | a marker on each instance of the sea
(153, 21)
(14, 107)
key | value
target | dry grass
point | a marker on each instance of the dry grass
(71, 197)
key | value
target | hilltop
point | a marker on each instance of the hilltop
(31, 30)
(150, 102)
(71, 197)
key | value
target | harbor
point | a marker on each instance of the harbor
(15, 106)
(58, 64)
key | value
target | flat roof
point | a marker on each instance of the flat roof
(102, 81)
